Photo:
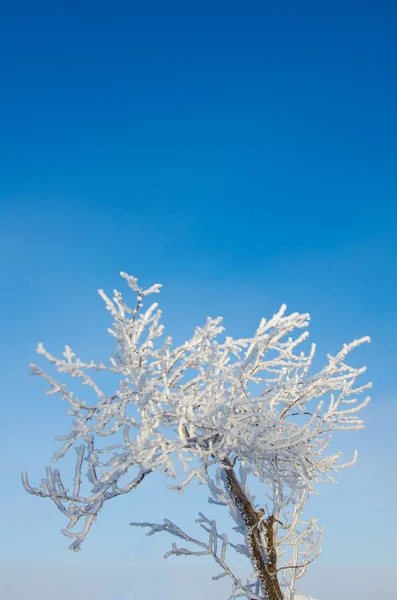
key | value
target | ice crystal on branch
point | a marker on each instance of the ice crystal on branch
(226, 410)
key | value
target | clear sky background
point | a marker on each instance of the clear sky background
(244, 155)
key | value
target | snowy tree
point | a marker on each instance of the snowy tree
(226, 412)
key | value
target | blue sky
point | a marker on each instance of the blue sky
(244, 155)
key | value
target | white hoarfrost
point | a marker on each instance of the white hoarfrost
(227, 411)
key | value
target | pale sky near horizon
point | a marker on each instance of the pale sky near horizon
(241, 154)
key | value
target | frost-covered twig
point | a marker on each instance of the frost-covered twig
(210, 548)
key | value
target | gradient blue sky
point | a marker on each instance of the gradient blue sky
(244, 155)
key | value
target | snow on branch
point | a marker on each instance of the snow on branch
(226, 411)
(209, 548)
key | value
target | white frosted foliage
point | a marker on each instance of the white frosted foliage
(227, 411)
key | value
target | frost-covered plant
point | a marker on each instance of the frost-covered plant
(228, 411)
